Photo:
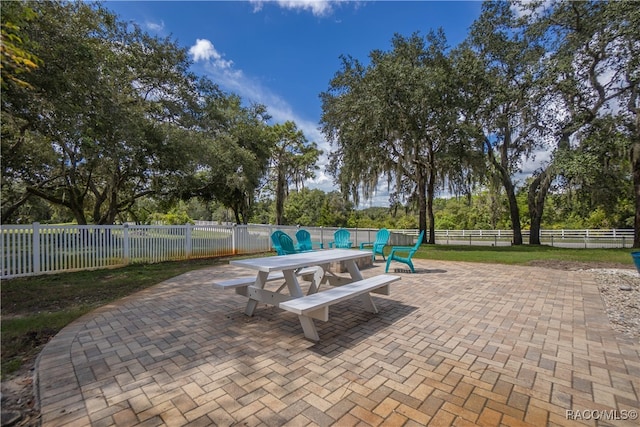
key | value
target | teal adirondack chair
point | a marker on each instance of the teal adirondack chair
(304, 241)
(286, 244)
(377, 247)
(341, 239)
(409, 250)
(275, 241)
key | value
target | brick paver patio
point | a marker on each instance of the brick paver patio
(454, 344)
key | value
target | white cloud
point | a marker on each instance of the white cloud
(316, 7)
(154, 26)
(524, 8)
(204, 50)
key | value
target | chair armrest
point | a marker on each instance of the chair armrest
(402, 248)
(363, 244)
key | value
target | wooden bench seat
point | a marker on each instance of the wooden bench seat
(316, 306)
(243, 282)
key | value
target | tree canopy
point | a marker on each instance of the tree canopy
(557, 80)
(99, 125)
(395, 118)
(294, 160)
(534, 114)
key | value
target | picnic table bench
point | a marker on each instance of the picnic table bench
(316, 306)
(240, 283)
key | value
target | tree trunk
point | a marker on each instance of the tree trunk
(505, 179)
(635, 164)
(635, 159)
(430, 195)
(280, 194)
(514, 212)
(236, 213)
(113, 210)
(537, 196)
(79, 215)
(422, 202)
(74, 202)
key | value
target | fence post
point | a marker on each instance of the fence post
(3, 249)
(36, 247)
(126, 245)
(188, 244)
(234, 238)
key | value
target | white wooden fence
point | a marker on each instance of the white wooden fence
(610, 238)
(38, 248)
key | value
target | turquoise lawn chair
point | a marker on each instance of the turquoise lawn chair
(304, 241)
(275, 241)
(286, 244)
(341, 239)
(394, 255)
(377, 247)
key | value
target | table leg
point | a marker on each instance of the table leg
(292, 283)
(261, 279)
(353, 270)
(318, 276)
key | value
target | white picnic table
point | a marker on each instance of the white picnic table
(314, 264)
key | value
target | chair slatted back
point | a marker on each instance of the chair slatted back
(304, 240)
(286, 244)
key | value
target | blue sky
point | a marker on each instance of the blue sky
(283, 53)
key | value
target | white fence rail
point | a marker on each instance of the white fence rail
(38, 248)
(610, 238)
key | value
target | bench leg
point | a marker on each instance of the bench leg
(251, 307)
(368, 303)
(309, 328)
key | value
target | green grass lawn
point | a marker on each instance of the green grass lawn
(524, 254)
(34, 309)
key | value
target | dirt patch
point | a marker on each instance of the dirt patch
(577, 265)
(19, 405)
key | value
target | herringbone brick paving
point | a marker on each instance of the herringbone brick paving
(454, 344)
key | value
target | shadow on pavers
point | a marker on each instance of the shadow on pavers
(349, 325)
(420, 270)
